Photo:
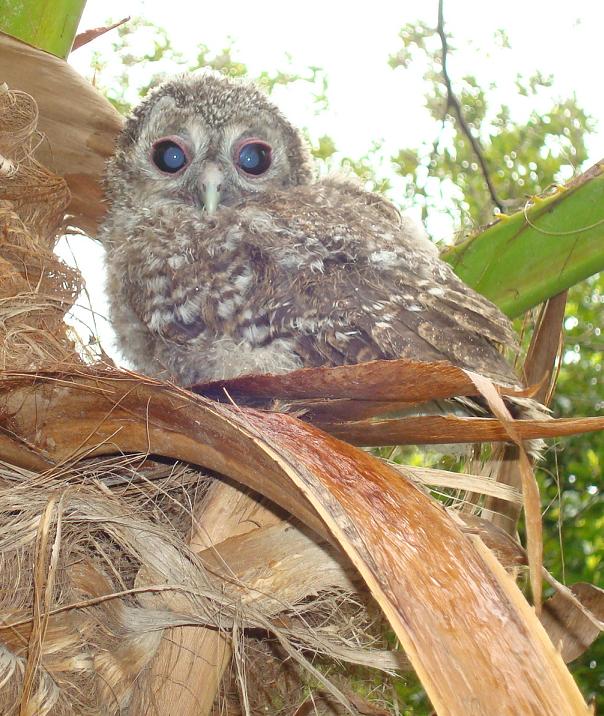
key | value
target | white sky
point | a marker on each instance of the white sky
(352, 42)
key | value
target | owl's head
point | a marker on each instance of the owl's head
(207, 141)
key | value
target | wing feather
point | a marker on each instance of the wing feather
(351, 281)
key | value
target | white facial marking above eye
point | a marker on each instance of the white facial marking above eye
(199, 137)
(153, 127)
(231, 135)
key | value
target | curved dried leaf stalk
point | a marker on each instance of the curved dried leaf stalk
(375, 384)
(497, 653)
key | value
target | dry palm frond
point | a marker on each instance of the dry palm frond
(378, 519)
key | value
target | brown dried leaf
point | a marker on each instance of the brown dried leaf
(435, 429)
(83, 38)
(393, 381)
(545, 349)
(504, 546)
(341, 400)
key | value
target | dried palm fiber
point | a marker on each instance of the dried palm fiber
(36, 288)
(39, 197)
(70, 542)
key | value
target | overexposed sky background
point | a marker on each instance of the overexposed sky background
(352, 42)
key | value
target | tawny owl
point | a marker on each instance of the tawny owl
(226, 256)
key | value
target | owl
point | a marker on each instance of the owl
(226, 256)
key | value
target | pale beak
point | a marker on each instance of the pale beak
(210, 183)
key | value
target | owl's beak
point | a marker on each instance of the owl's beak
(210, 183)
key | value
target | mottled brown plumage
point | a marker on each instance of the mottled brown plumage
(287, 271)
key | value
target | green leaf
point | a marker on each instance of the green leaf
(552, 244)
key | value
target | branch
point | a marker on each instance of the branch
(452, 101)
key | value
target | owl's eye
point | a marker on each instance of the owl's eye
(253, 157)
(168, 156)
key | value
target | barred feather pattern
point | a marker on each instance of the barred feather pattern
(289, 272)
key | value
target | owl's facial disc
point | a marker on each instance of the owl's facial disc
(211, 165)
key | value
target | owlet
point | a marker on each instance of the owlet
(226, 256)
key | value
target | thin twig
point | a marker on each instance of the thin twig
(453, 102)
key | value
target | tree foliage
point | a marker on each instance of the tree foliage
(524, 156)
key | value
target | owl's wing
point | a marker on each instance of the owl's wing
(367, 287)
(399, 319)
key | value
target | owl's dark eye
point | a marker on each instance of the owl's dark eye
(168, 156)
(253, 157)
